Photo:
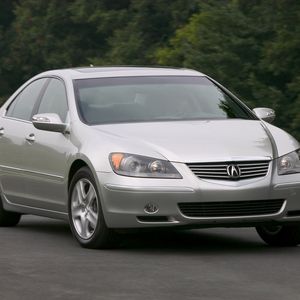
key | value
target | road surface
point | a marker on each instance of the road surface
(39, 259)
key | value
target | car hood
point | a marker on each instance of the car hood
(195, 141)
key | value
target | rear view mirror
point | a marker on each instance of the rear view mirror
(49, 122)
(264, 113)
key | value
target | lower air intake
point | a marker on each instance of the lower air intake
(230, 209)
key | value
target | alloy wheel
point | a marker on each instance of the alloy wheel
(84, 208)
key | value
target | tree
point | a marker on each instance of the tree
(250, 46)
(236, 43)
(6, 18)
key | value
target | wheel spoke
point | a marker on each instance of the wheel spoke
(92, 218)
(84, 226)
(77, 224)
(76, 211)
(80, 191)
(90, 196)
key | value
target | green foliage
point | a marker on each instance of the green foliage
(252, 49)
(250, 46)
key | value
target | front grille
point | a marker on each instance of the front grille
(219, 171)
(231, 208)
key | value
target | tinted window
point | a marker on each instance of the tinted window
(55, 100)
(22, 106)
(148, 99)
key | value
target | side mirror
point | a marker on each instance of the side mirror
(266, 114)
(49, 122)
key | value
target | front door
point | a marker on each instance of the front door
(46, 155)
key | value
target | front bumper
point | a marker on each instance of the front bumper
(124, 199)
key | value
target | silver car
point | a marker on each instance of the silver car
(128, 147)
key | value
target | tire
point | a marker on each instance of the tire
(8, 219)
(85, 213)
(280, 235)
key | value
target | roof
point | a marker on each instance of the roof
(96, 72)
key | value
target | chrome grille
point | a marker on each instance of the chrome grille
(219, 171)
(231, 208)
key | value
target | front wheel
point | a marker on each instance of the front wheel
(280, 235)
(85, 212)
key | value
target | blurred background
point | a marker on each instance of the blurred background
(252, 47)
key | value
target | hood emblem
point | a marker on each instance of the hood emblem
(233, 171)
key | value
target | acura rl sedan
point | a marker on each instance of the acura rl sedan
(129, 147)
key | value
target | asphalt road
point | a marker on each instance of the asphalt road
(40, 260)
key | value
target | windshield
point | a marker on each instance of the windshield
(150, 99)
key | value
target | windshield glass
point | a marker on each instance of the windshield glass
(150, 99)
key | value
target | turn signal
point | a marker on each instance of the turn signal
(116, 159)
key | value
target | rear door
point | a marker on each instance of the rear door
(15, 125)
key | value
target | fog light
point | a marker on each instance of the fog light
(151, 208)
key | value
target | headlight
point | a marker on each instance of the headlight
(289, 163)
(142, 166)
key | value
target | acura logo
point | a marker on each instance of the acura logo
(233, 171)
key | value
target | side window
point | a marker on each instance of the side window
(55, 100)
(22, 106)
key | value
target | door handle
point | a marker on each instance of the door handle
(1, 131)
(30, 138)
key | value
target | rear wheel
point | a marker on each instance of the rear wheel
(85, 212)
(280, 235)
(8, 219)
